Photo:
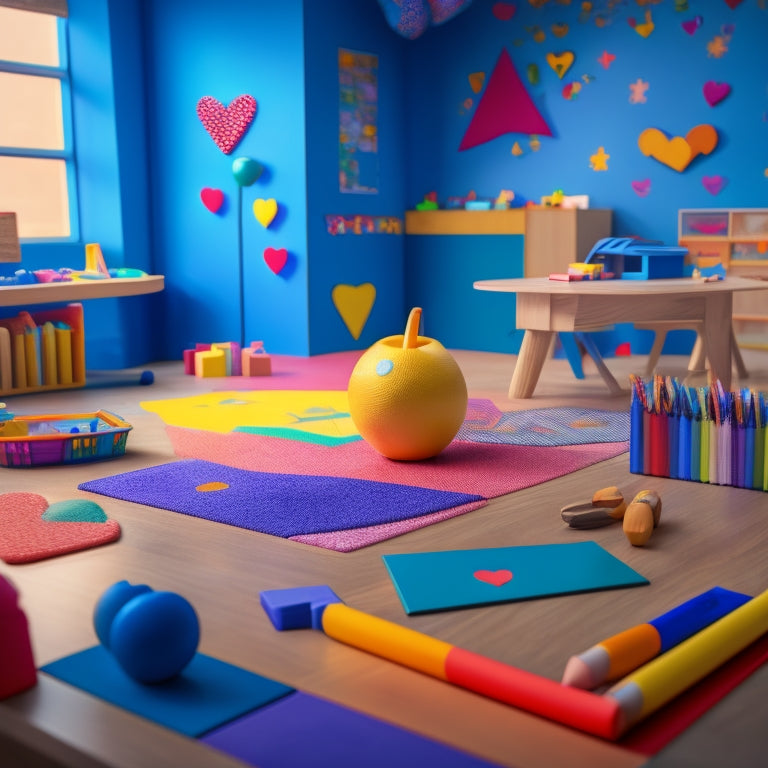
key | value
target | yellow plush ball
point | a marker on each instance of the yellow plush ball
(407, 395)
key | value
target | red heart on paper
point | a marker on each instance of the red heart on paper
(226, 125)
(276, 258)
(497, 578)
(714, 92)
(732, 3)
(212, 199)
(26, 535)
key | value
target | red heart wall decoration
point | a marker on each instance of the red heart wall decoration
(226, 125)
(276, 258)
(212, 199)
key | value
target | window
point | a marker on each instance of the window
(37, 166)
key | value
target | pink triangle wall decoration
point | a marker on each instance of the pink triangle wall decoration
(504, 107)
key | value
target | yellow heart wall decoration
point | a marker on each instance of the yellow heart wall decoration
(677, 152)
(265, 211)
(354, 304)
(560, 62)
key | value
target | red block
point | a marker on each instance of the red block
(17, 665)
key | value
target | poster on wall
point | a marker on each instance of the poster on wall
(358, 122)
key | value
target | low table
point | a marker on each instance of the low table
(545, 307)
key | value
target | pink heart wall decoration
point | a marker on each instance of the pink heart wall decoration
(714, 92)
(226, 125)
(642, 188)
(276, 258)
(713, 184)
(212, 199)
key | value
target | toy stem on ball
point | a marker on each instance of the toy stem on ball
(407, 395)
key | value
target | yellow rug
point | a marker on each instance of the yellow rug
(312, 412)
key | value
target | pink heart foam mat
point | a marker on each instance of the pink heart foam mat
(32, 529)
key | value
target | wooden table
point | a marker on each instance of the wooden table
(546, 306)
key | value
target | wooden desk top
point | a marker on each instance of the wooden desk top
(619, 287)
(77, 290)
(709, 535)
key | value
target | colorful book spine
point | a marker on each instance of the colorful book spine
(703, 434)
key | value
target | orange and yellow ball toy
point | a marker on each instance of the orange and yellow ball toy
(407, 395)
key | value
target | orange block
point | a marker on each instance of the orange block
(255, 361)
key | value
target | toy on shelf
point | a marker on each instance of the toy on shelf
(630, 258)
(75, 438)
(227, 358)
(152, 635)
(17, 665)
(407, 395)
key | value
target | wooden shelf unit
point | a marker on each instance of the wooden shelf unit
(63, 292)
(737, 238)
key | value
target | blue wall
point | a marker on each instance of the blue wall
(675, 64)
(197, 48)
(140, 68)
(353, 259)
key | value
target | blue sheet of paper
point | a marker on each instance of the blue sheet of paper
(439, 581)
(207, 693)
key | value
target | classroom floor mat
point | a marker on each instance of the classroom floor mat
(207, 694)
(279, 504)
(32, 529)
(304, 730)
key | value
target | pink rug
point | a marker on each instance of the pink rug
(484, 469)
(331, 371)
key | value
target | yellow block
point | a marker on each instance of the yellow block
(210, 363)
(386, 639)
(587, 269)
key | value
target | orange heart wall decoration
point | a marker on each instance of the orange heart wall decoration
(677, 152)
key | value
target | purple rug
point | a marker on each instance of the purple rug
(284, 505)
(303, 730)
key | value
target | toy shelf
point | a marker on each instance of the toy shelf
(11, 360)
(42, 351)
(737, 238)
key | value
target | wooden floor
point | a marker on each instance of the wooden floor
(709, 536)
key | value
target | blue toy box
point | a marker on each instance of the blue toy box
(630, 258)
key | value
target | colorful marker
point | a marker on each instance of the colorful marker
(662, 679)
(319, 607)
(620, 654)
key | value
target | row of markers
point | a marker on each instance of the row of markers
(704, 434)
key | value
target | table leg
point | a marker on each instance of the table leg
(716, 333)
(530, 361)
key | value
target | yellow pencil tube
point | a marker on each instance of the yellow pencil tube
(660, 680)
(386, 639)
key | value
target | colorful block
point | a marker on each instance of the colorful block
(210, 364)
(17, 665)
(255, 360)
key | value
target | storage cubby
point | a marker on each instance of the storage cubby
(42, 351)
(737, 238)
